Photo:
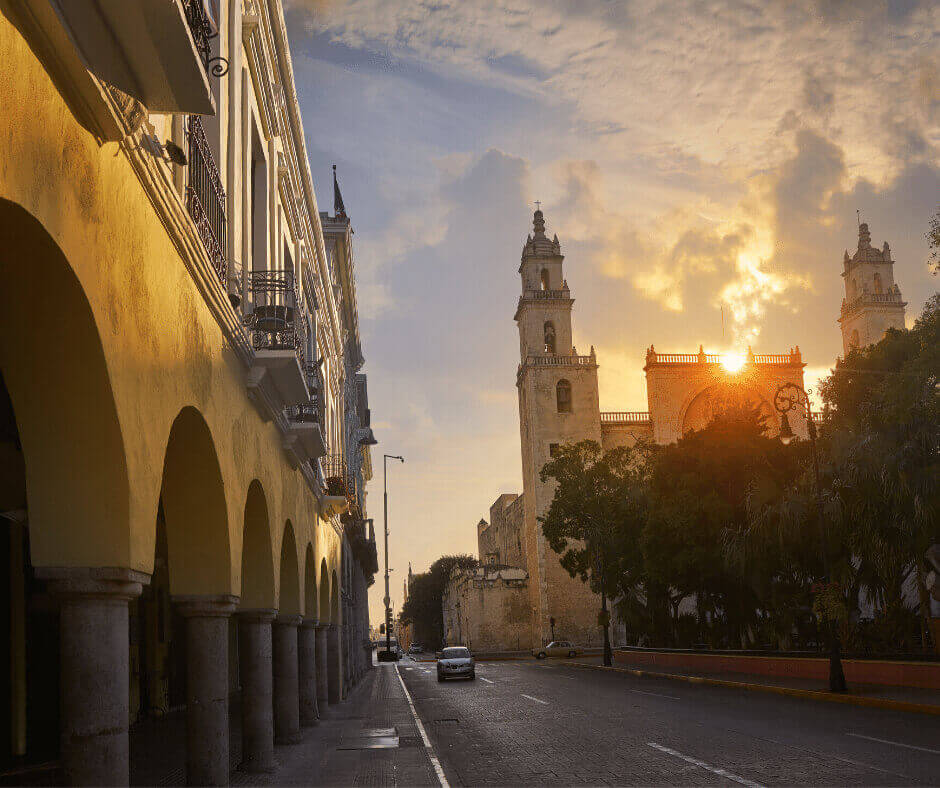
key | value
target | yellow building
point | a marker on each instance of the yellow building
(185, 428)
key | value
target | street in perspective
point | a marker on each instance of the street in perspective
(632, 305)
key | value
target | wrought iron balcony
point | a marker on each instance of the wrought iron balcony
(273, 320)
(204, 31)
(205, 197)
(306, 413)
(336, 476)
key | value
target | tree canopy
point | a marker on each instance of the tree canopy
(424, 606)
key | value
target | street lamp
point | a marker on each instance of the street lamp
(388, 599)
(788, 397)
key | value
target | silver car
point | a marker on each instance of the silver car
(455, 662)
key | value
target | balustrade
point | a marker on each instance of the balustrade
(625, 417)
(205, 197)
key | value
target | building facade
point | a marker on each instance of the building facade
(872, 302)
(185, 424)
(559, 404)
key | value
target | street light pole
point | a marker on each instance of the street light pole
(788, 397)
(388, 599)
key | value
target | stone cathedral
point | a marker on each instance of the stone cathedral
(520, 596)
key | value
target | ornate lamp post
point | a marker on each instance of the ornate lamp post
(788, 397)
(388, 599)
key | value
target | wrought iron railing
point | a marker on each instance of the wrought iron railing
(274, 322)
(336, 476)
(305, 412)
(205, 31)
(205, 197)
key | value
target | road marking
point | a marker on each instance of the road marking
(438, 769)
(655, 694)
(895, 743)
(706, 766)
(543, 702)
(486, 680)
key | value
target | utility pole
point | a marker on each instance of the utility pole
(388, 599)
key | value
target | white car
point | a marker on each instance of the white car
(455, 662)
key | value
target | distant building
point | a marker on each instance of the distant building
(872, 302)
(558, 404)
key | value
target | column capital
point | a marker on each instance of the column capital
(97, 582)
(290, 621)
(310, 623)
(208, 606)
(256, 614)
(322, 626)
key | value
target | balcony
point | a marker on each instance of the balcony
(303, 440)
(153, 50)
(205, 197)
(336, 477)
(277, 335)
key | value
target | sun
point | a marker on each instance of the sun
(732, 362)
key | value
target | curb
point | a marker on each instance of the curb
(793, 692)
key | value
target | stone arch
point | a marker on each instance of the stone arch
(334, 599)
(324, 594)
(548, 333)
(855, 342)
(879, 288)
(54, 368)
(310, 583)
(257, 579)
(544, 281)
(289, 597)
(710, 401)
(193, 498)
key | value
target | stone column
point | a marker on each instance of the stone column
(254, 653)
(323, 681)
(307, 672)
(207, 721)
(93, 663)
(286, 690)
(334, 664)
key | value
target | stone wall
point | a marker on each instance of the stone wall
(487, 609)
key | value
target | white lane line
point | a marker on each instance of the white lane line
(655, 694)
(486, 680)
(895, 743)
(543, 702)
(702, 765)
(438, 769)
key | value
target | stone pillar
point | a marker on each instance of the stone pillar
(307, 672)
(323, 681)
(286, 690)
(93, 664)
(254, 658)
(207, 721)
(334, 664)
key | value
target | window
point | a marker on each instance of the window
(878, 287)
(855, 340)
(549, 334)
(553, 449)
(563, 396)
(850, 287)
(545, 279)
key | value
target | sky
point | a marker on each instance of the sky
(693, 158)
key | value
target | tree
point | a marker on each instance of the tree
(598, 504)
(424, 606)
(933, 241)
(882, 433)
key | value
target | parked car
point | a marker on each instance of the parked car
(389, 650)
(455, 662)
(557, 648)
(415, 648)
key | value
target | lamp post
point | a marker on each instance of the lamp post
(388, 599)
(788, 397)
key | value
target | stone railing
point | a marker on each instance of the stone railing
(546, 294)
(871, 298)
(561, 361)
(625, 417)
(652, 357)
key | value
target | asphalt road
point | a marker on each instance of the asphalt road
(529, 722)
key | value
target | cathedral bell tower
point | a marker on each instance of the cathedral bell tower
(872, 302)
(558, 404)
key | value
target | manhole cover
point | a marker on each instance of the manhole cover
(409, 741)
(446, 721)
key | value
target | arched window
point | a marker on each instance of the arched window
(855, 340)
(850, 287)
(549, 333)
(563, 396)
(545, 279)
(878, 287)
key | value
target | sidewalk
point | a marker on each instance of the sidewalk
(352, 745)
(899, 698)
